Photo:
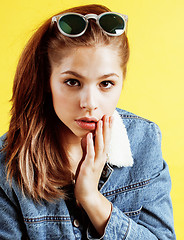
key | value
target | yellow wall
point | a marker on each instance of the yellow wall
(155, 81)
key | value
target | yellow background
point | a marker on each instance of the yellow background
(155, 81)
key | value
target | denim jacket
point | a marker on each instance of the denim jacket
(135, 180)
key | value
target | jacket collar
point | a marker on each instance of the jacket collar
(119, 151)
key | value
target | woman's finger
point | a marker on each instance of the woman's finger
(84, 146)
(99, 144)
(90, 152)
(106, 133)
(108, 121)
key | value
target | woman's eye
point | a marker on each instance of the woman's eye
(106, 84)
(72, 82)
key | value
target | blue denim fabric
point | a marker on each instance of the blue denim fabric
(140, 197)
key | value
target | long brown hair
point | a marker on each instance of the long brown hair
(34, 158)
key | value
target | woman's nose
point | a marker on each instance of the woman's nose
(88, 99)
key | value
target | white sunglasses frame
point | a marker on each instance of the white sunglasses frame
(86, 18)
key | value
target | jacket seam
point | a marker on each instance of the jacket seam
(134, 117)
(133, 213)
(127, 188)
(47, 219)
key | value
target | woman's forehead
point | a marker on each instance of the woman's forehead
(85, 55)
(89, 62)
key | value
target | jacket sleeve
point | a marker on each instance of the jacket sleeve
(156, 217)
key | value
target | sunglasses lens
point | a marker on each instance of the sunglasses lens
(112, 23)
(72, 24)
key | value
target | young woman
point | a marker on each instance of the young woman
(72, 165)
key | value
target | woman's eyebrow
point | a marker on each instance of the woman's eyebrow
(80, 76)
(73, 73)
(109, 75)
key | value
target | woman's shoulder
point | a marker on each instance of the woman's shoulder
(2, 144)
(2, 140)
(139, 126)
(145, 141)
(7, 189)
(129, 115)
(2, 158)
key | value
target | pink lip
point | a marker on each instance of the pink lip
(88, 123)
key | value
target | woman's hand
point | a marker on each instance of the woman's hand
(89, 172)
(91, 167)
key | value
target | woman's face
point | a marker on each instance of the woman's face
(86, 83)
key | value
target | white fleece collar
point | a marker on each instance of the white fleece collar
(119, 152)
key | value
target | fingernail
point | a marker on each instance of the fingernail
(107, 119)
(111, 121)
(101, 123)
(90, 136)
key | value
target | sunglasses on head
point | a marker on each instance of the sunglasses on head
(75, 24)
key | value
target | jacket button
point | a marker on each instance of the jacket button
(76, 223)
(104, 173)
